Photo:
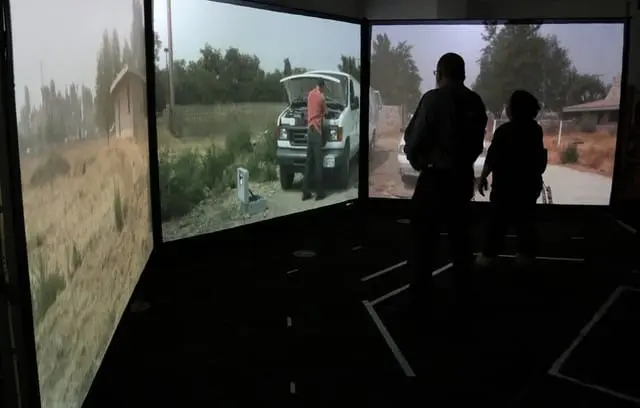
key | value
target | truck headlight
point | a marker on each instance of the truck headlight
(284, 134)
(335, 134)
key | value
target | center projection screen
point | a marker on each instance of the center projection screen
(573, 69)
(231, 93)
(84, 162)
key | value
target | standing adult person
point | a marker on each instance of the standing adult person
(443, 139)
(316, 109)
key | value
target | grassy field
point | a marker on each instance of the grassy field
(86, 208)
(591, 152)
(217, 121)
(200, 161)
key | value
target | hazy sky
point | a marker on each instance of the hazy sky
(593, 48)
(309, 42)
(63, 35)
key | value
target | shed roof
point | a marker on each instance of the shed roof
(610, 102)
(122, 74)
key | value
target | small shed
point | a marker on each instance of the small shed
(129, 98)
(604, 112)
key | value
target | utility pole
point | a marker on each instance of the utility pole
(170, 65)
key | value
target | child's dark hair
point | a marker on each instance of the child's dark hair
(523, 105)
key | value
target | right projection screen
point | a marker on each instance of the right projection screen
(573, 69)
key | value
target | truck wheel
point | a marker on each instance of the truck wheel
(344, 170)
(286, 178)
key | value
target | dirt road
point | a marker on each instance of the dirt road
(569, 186)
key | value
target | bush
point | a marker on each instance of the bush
(181, 186)
(570, 154)
(186, 176)
(47, 287)
(587, 126)
(215, 162)
(239, 143)
(54, 166)
(262, 165)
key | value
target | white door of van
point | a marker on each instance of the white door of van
(354, 119)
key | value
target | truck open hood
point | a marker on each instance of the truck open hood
(298, 86)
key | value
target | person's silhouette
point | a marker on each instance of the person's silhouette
(516, 161)
(443, 139)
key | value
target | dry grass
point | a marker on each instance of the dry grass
(213, 121)
(77, 210)
(596, 151)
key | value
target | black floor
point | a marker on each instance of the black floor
(269, 328)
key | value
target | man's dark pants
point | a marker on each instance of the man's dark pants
(440, 197)
(313, 167)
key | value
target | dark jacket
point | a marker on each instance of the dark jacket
(447, 129)
(517, 159)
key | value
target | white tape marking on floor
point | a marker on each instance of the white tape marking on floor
(390, 294)
(442, 269)
(404, 364)
(292, 271)
(546, 258)
(557, 365)
(626, 226)
(405, 287)
(382, 272)
(599, 388)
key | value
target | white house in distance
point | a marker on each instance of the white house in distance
(129, 99)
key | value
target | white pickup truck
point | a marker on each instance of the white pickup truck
(342, 94)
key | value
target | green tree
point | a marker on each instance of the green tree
(162, 78)
(585, 88)
(520, 57)
(287, 67)
(25, 115)
(105, 74)
(350, 65)
(88, 123)
(116, 53)
(137, 37)
(515, 57)
(394, 72)
(127, 56)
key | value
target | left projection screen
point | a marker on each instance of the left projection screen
(84, 158)
(240, 78)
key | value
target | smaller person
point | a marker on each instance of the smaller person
(516, 161)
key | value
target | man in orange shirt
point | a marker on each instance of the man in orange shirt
(316, 109)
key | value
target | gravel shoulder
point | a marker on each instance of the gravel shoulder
(222, 211)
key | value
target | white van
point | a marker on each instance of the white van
(342, 94)
(375, 106)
